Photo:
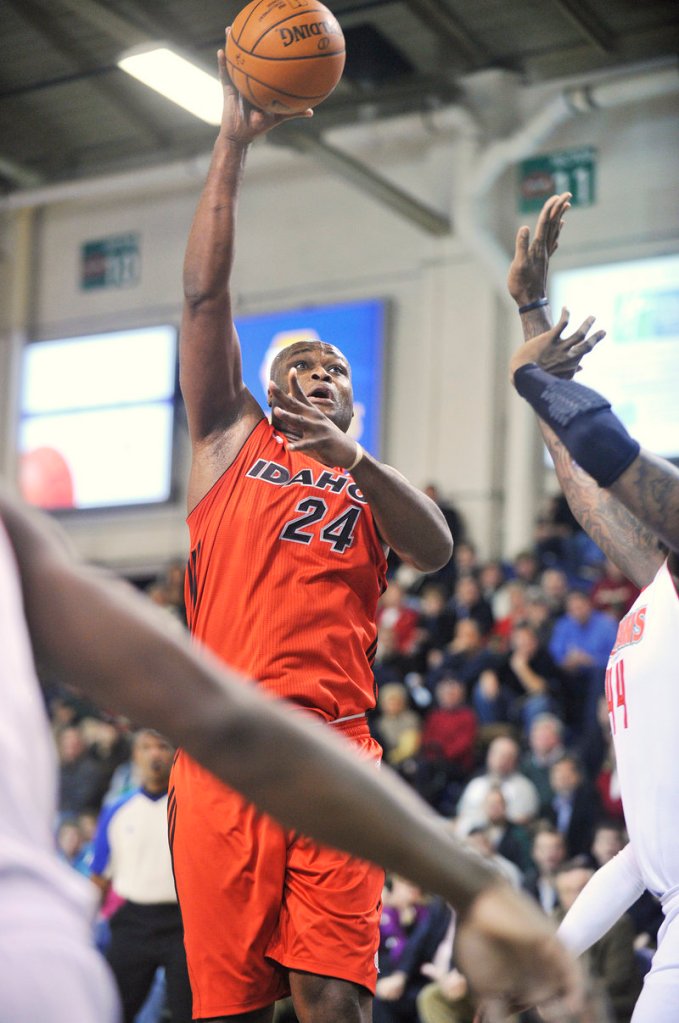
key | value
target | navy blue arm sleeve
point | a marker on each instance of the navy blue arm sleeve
(582, 419)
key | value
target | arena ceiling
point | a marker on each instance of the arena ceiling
(67, 112)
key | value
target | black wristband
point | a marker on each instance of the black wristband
(537, 304)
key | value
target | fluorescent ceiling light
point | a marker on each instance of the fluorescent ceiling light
(177, 79)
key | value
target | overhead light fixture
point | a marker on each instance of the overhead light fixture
(176, 78)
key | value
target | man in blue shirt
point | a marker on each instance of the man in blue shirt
(581, 643)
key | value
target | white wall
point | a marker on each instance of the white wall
(307, 236)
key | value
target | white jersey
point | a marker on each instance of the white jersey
(642, 692)
(28, 780)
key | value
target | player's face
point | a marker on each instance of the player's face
(323, 374)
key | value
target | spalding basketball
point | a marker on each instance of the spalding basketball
(285, 55)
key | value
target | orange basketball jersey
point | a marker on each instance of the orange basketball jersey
(284, 575)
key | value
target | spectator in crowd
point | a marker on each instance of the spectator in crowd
(607, 783)
(581, 644)
(172, 578)
(448, 746)
(526, 567)
(613, 592)
(393, 612)
(445, 576)
(554, 587)
(466, 656)
(63, 711)
(429, 956)
(479, 840)
(83, 778)
(576, 808)
(468, 602)
(521, 796)
(390, 665)
(404, 914)
(609, 839)
(493, 582)
(87, 826)
(107, 740)
(466, 558)
(523, 685)
(612, 958)
(646, 913)
(548, 852)
(435, 624)
(508, 839)
(451, 514)
(538, 615)
(545, 747)
(132, 855)
(514, 610)
(446, 999)
(69, 840)
(396, 726)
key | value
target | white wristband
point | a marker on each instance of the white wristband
(359, 455)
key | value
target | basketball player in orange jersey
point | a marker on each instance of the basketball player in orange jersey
(627, 499)
(289, 523)
(102, 636)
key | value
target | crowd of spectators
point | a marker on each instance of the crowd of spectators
(491, 705)
(490, 677)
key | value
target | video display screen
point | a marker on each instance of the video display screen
(97, 419)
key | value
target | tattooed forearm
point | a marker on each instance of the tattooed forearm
(613, 527)
(650, 490)
(537, 321)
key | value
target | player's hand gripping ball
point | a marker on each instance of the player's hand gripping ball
(285, 56)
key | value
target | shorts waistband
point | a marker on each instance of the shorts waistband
(354, 726)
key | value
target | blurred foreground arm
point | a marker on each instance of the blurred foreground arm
(98, 634)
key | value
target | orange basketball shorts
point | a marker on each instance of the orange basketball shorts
(258, 900)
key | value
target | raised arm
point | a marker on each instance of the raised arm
(221, 412)
(628, 539)
(110, 642)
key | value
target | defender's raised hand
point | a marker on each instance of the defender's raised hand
(508, 951)
(557, 355)
(241, 121)
(527, 278)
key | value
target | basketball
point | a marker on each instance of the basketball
(285, 55)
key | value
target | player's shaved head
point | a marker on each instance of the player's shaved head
(283, 359)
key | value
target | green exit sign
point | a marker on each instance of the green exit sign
(110, 262)
(571, 170)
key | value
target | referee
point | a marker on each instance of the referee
(132, 866)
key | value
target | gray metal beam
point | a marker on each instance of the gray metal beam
(367, 180)
(18, 174)
(588, 24)
(437, 16)
(46, 25)
(634, 47)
